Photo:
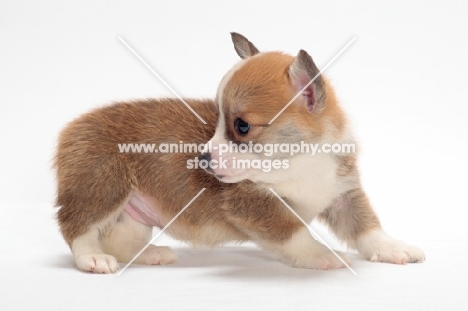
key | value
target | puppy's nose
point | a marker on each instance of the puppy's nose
(207, 157)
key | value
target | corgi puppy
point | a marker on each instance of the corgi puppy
(109, 200)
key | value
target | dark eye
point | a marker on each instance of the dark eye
(241, 127)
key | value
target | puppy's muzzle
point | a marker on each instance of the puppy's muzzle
(206, 157)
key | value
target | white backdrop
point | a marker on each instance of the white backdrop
(403, 83)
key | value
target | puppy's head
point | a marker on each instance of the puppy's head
(265, 100)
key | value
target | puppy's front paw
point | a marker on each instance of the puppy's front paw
(97, 263)
(302, 251)
(323, 260)
(397, 252)
(377, 246)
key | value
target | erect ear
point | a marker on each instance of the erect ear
(301, 72)
(244, 47)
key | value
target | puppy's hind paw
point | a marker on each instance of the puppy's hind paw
(97, 263)
(156, 255)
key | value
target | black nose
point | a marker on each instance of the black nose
(205, 157)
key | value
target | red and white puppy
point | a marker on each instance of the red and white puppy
(110, 201)
(325, 185)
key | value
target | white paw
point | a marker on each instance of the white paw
(97, 263)
(396, 252)
(323, 261)
(156, 255)
(379, 247)
(302, 251)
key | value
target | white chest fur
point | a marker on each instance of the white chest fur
(310, 183)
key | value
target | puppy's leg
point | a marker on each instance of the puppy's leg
(352, 219)
(87, 250)
(300, 250)
(128, 237)
(92, 190)
(268, 222)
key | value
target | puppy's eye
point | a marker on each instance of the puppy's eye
(241, 127)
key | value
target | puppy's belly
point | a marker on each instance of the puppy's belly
(143, 211)
(149, 212)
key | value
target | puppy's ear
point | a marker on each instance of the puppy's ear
(244, 47)
(301, 72)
